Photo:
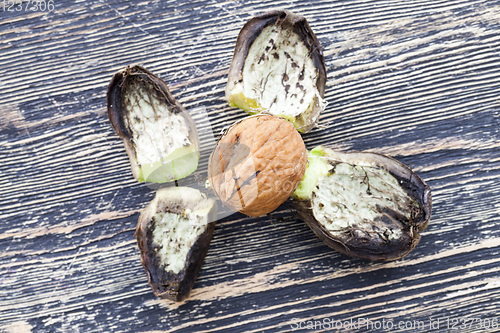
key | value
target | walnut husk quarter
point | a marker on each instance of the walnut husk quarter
(252, 29)
(414, 186)
(167, 285)
(116, 113)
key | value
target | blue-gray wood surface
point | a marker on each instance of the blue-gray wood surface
(417, 80)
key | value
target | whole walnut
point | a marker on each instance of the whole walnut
(257, 164)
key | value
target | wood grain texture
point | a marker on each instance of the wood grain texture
(417, 80)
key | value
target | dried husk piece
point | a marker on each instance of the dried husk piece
(365, 205)
(159, 135)
(173, 234)
(278, 68)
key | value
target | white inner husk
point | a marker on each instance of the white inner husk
(175, 234)
(352, 196)
(155, 135)
(279, 73)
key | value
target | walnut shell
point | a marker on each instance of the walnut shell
(257, 164)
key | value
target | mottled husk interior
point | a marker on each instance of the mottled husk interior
(173, 278)
(159, 135)
(278, 68)
(365, 209)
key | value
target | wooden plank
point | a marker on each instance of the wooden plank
(416, 80)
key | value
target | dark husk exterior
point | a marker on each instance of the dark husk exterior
(175, 287)
(252, 29)
(116, 113)
(374, 250)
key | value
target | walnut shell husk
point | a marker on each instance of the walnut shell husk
(257, 164)
(278, 68)
(168, 278)
(159, 135)
(364, 205)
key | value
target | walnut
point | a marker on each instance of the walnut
(257, 164)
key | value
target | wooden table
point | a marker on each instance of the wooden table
(417, 80)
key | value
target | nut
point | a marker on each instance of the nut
(257, 164)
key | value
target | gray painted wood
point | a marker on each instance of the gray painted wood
(417, 80)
